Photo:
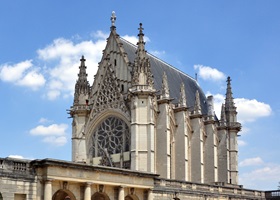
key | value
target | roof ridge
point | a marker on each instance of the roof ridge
(160, 60)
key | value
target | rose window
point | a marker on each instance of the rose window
(110, 137)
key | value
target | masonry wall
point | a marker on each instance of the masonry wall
(17, 181)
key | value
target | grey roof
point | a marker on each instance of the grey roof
(175, 78)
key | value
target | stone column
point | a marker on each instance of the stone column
(87, 194)
(121, 193)
(48, 190)
(150, 195)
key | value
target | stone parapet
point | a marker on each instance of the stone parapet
(190, 190)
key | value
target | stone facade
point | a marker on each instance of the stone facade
(170, 131)
(143, 130)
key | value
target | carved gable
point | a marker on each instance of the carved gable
(108, 94)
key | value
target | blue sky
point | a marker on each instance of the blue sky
(41, 43)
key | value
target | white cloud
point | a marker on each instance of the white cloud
(33, 80)
(250, 109)
(264, 178)
(241, 143)
(100, 35)
(43, 120)
(64, 55)
(12, 73)
(57, 141)
(157, 53)
(54, 134)
(54, 129)
(16, 156)
(251, 162)
(134, 39)
(209, 73)
(23, 74)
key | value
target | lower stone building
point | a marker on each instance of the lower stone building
(143, 130)
(50, 179)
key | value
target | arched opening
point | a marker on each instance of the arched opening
(109, 143)
(63, 195)
(100, 196)
(131, 197)
(1, 198)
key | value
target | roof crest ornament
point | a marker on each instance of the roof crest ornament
(113, 19)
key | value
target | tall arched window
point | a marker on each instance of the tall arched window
(110, 137)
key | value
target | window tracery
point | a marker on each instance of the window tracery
(110, 137)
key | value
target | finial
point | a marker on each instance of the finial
(183, 99)
(83, 59)
(140, 29)
(113, 19)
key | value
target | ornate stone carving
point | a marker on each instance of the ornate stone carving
(109, 95)
(112, 136)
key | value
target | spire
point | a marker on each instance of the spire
(82, 84)
(142, 74)
(183, 99)
(164, 87)
(113, 19)
(229, 104)
(141, 52)
(197, 106)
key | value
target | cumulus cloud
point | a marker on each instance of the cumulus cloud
(23, 74)
(54, 134)
(65, 56)
(61, 61)
(251, 162)
(248, 110)
(209, 73)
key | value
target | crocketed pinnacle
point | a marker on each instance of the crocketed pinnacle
(229, 104)
(183, 99)
(164, 87)
(141, 52)
(82, 84)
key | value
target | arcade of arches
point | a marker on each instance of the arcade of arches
(87, 193)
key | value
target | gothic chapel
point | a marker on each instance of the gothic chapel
(143, 130)
(145, 115)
